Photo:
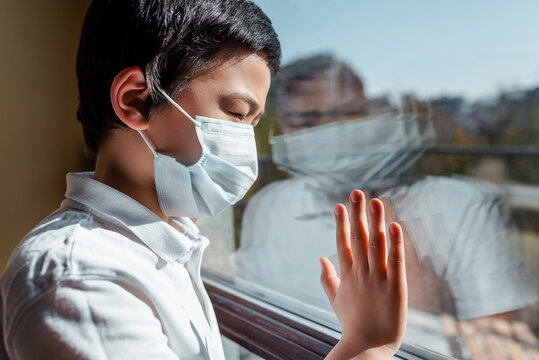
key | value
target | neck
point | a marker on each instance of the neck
(116, 167)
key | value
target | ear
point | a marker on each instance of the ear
(128, 93)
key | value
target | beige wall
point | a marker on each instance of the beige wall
(40, 139)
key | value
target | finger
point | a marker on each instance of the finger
(396, 267)
(329, 279)
(377, 238)
(359, 237)
(390, 218)
(343, 238)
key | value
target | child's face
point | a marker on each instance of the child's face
(235, 91)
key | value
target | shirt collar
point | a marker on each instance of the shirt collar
(161, 237)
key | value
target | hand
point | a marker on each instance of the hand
(370, 298)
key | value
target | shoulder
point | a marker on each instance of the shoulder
(466, 210)
(276, 190)
(42, 255)
(267, 197)
(460, 185)
(40, 259)
(67, 245)
(438, 192)
(281, 193)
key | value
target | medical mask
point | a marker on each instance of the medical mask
(222, 175)
(342, 155)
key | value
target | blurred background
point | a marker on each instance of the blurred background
(40, 139)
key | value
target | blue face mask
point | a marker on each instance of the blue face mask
(222, 175)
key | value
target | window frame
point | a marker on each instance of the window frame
(274, 333)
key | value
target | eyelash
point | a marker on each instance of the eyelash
(238, 115)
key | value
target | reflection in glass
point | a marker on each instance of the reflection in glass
(463, 258)
(469, 207)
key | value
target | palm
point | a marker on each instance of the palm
(370, 297)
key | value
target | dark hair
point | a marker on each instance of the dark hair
(292, 79)
(170, 40)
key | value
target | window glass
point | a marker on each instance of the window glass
(433, 107)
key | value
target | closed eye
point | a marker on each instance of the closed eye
(237, 115)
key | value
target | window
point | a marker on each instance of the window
(435, 108)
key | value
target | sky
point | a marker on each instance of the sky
(431, 48)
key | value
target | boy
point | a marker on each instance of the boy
(115, 271)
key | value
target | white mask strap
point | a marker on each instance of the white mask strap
(176, 105)
(147, 142)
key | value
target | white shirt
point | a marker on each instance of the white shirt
(462, 227)
(289, 224)
(103, 277)
(458, 225)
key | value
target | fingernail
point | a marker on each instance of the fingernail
(355, 197)
(393, 229)
(373, 206)
(338, 210)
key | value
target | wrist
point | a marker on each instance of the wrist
(345, 350)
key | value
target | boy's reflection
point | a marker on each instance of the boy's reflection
(460, 260)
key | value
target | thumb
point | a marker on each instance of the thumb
(329, 279)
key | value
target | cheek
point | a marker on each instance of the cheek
(175, 136)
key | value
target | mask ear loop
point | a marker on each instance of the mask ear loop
(173, 103)
(147, 142)
(169, 99)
